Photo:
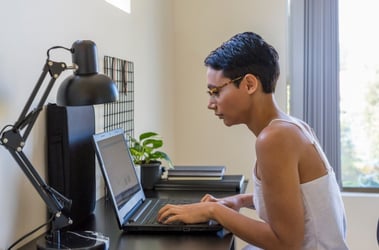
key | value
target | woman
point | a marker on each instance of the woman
(295, 190)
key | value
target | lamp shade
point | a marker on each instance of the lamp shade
(86, 86)
(86, 90)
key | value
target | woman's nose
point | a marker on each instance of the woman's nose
(211, 105)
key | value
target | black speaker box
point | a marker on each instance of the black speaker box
(71, 157)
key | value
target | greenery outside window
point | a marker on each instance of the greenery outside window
(359, 94)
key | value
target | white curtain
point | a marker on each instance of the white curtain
(314, 71)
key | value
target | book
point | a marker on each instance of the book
(195, 178)
(227, 183)
(196, 173)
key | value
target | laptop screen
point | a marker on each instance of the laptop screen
(118, 171)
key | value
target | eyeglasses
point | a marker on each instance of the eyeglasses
(215, 91)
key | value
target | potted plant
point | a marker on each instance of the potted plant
(145, 152)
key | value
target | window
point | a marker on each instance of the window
(334, 83)
(359, 93)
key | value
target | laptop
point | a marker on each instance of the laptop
(135, 212)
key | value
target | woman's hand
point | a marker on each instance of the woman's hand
(202, 211)
(189, 213)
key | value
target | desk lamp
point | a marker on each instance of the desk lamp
(84, 87)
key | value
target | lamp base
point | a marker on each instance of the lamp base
(75, 240)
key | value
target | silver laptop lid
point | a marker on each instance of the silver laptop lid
(119, 173)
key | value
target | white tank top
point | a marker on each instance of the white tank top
(325, 222)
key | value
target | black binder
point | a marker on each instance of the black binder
(232, 183)
(71, 157)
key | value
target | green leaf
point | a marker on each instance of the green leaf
(145, 135)
(145, 150)
(153, 143)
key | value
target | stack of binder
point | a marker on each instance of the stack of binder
(208, 178)
(196, 173)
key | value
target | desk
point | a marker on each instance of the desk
(103, 220)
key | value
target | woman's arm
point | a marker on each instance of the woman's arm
(279, 149)
(235, 202)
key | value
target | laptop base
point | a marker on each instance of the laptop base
(75, 240)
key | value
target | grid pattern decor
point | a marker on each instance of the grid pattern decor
(120, 114)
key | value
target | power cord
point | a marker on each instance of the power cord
(30, 233)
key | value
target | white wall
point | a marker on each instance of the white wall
(28, 29)
(362, 212)
(201, 26)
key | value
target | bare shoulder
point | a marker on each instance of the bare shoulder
(279, 147)
(279, 134)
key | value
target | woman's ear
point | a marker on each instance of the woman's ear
(252, 83)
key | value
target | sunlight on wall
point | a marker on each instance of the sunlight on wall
(121, 4)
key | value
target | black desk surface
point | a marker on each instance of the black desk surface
(103, 220)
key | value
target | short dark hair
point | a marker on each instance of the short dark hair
(247, 53)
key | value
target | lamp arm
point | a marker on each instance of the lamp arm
(54, 69)
(57, 203)
(20, 123)
(14, 141)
